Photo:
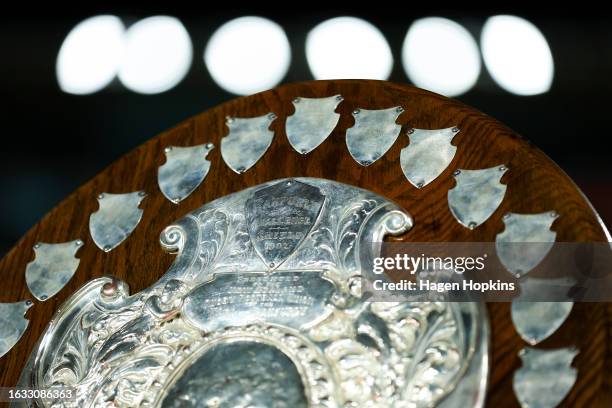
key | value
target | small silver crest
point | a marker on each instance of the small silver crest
(373, 134)
(280, 217)
(116, 218)
(184, 170)
(525, 241)
(428, 154)
(12, 324)
(536, 321)
(313, 121)
(52, 268)
(477, 195)
(545, 378)
(248, 140)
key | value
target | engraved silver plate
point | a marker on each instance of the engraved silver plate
(525, 241)
(52, 268)
(247, 142)
(536, 321)
(428, 154)
(12, 324)
(116, 218)
(313, 121)
(184, 170)
(477, 195)
(263, 307)
(545, 378)
(373, 134)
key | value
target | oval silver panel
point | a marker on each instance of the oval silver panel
(313, 121)
(373, 133)
(184, 170)
(247, 141)
(12, 324)
(308, 308)
(545, 378)
(477, 195)
(53, 266)
(428, 154)
(116, 218)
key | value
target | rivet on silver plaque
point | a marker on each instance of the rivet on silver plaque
(247, 141)
(477, 195)
(184, 170)
(53, 266)
(313, 121)
(373, 134)
(428, 154)
(116, 218)
(525, 241)
(12, 324)
(536, 320)
(545, 378)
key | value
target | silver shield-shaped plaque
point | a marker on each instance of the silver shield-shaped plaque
(428, 154)
(525, 241)
(477, 195)
(313, 121)
(545, 378)
(247, 141)
(184, 170)
(12, 324)
(280, 217)
(116, 218)
(221, 328)
(536, 321)
(53, 266)
(373, 133)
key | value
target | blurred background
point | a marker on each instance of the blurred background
(84, 87)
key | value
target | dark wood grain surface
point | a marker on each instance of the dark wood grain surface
(535, 184)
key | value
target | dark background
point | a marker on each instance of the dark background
(54, 141)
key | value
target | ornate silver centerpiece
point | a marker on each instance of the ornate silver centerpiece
(263, 308)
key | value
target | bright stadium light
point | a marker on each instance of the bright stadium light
(517, 55)
(89, 57)
(158, 55)
(442, 56)
(248, 55)
(348, 47)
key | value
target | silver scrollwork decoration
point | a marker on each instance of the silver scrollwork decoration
(223, 326)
